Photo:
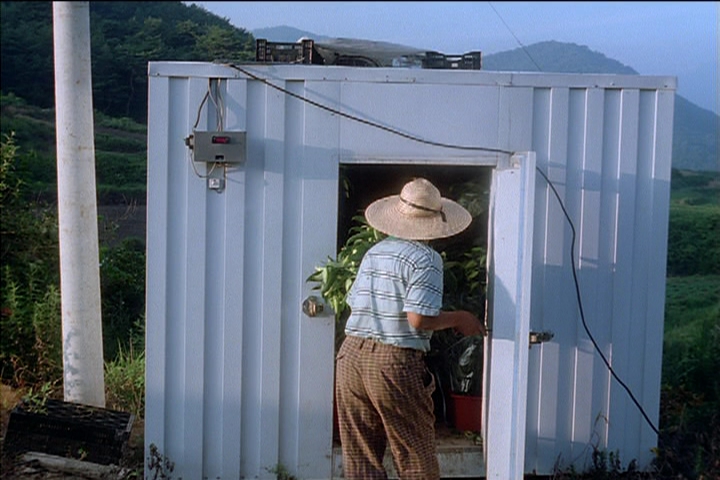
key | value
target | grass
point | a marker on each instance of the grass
(690, 397)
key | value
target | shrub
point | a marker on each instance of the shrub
(31, 343)
(122, 278)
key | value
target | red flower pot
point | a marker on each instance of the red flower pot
(467, 412)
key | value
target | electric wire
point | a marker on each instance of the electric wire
(580, 305)
(524, 49)
(219, 107)
(202, 103)
(492, 150)
(364, 121)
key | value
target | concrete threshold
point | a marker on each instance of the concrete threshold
(460, 455)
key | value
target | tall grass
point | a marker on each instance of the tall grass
(31, 343)
(125, 381)
(690, 410)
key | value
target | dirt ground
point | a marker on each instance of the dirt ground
(40, 467)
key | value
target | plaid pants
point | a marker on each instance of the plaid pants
(384, 397)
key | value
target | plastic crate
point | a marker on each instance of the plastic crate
(284, 52)
(69, 430)
(465, 61)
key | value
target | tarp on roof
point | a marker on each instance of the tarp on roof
(343, 51)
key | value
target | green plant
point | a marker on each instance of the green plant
(604, 464)
(81, 454)
(335, 277)
(122, 276)
(125, 381)
(30, 319)
(35, 401)
(689, 445)
(282, 472)
(455, 359)
(30, 344)
(474, 437)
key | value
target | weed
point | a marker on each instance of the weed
(159, 465)
(81, 454)
(125, 381)
(35, 401)
(282, 472)
(604, 464)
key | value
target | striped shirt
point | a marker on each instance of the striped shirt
(395, 276)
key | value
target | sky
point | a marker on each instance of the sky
(678, 39)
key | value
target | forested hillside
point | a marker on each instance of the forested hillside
(125, 37)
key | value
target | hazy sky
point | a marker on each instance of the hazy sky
(654, 38)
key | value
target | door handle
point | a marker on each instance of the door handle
(312, 306)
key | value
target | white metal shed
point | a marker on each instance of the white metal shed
(239, 380)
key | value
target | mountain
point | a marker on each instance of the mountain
(126, 35)
(695, 129)
(695, 132)
(552, 56)
(284, 33)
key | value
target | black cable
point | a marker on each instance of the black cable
(367, 122)
(580, 305)
(524, 49)
(493, 150)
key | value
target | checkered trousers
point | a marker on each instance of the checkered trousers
(384, 398)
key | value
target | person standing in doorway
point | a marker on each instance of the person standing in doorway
(383, 387)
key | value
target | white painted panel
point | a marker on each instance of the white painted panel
(193, 354)
(597, 287)
(415, 109)
(625, 144)
(251, 314)
(156, 305)
(317, 219)
(639, 277)
(550, 139)
(659, 159)
(232, 285)
(269, 279)
(173, 277)
(583, 201)
(646, 322)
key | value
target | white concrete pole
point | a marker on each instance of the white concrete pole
(83, 365)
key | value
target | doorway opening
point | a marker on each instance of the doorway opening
(465, 278)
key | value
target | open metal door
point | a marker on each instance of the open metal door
(509, 266)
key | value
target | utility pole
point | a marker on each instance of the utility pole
(83, 365)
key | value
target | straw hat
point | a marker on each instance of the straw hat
(418, 213)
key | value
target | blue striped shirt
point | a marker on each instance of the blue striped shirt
(395, 276)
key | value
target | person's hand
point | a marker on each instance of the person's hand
(468, 324)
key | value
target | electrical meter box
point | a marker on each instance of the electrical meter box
(218, 146)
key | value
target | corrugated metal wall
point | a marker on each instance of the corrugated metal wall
(608, 153)
(237, 378)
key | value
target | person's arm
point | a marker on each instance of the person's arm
(461, 320)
